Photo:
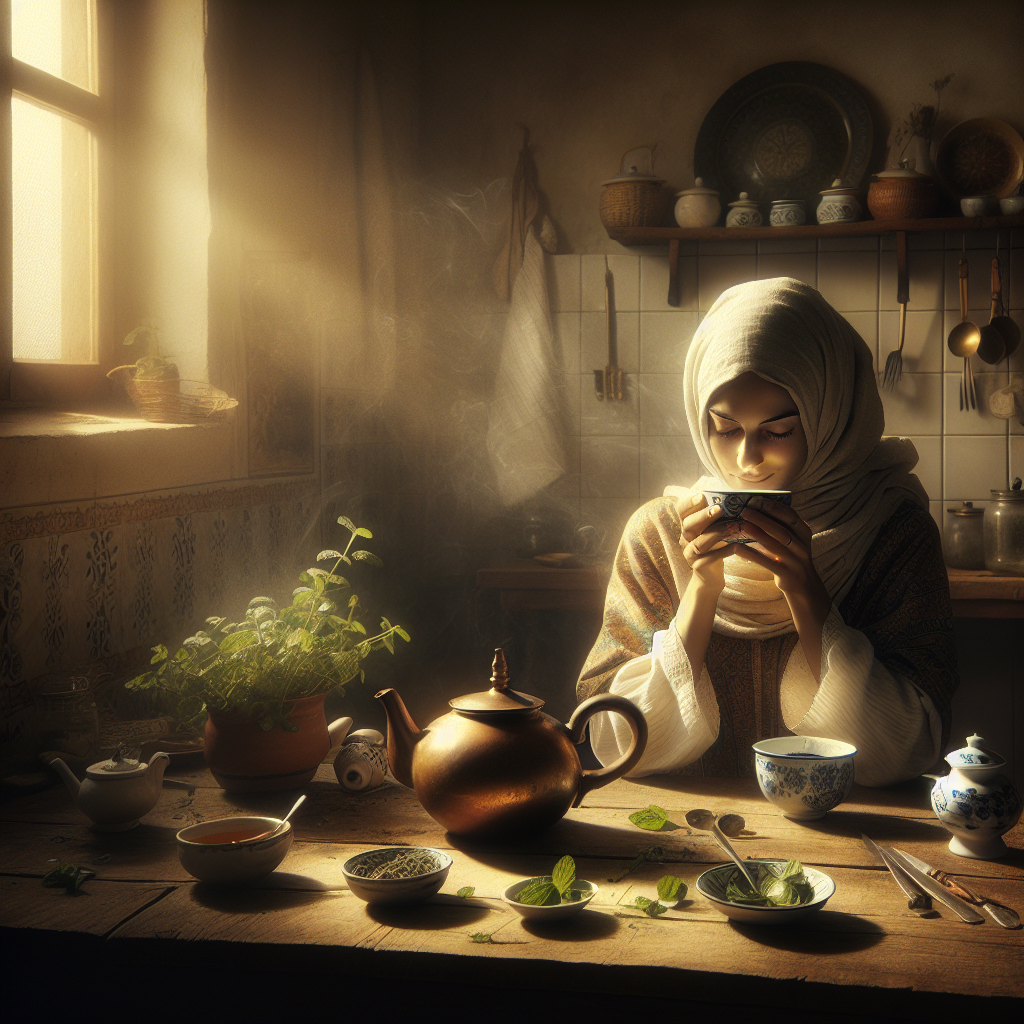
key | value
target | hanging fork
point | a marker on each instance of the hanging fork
(894, 361)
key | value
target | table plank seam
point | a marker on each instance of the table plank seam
(135, 913)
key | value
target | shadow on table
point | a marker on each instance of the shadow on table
(587, 926)
(426, 916)
(833, 933)
(288, 892)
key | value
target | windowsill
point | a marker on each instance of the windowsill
(50, 457)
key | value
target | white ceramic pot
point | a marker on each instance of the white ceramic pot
(743, 213)
(839, 205)
(804, 776)
(1011, 205)
(698, 207)
(787, 213)
(976, 802)
(979, 206)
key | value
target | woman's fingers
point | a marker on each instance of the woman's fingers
(783, 526)
(696, 522)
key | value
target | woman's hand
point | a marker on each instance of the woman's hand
(706, 543)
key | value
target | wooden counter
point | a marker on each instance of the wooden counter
(154, 939)
(525, 583)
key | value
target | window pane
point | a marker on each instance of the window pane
(56, 36)
(54, 249)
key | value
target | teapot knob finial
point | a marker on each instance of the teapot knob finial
(975, 741)
(499, 670)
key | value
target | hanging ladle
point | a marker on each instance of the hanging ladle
(1006, 325)
(964, 339)
(704, 821)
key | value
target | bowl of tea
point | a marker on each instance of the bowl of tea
(804, 776)
(733, 503)
(234, 851)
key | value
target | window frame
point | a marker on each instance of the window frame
(65, 385)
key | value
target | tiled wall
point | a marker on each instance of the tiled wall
(629, 451)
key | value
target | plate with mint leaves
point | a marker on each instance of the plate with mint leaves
(553, 897)
(786, 891)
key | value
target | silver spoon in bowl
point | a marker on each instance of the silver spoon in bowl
(703, 820)
(273, 832)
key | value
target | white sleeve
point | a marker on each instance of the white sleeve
(893, 724)
(682, 719)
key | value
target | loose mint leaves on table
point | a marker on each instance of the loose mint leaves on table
(670, 890)
(653, 819)
(549, 891)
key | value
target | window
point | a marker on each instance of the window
(56, 117)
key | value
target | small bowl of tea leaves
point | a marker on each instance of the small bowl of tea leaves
(397, 874)
(786, 891)
(554, 897)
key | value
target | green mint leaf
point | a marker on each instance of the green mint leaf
(328, 553)
(466, 890)
(538, 892)
(779, 892)
(671, 888)
(793, 871)
(563, 875)
(653, 819)
(481, 937)
(652, 908)
(347, 523)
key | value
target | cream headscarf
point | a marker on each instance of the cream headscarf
(784, 331)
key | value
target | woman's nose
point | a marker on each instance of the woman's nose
(749, 454)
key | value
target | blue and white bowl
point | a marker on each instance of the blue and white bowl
(713, 883)
(804, 776)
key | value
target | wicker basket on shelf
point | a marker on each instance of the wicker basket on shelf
(634, 202)
(173, 400)
(902, 195)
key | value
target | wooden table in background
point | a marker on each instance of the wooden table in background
(145, 928)
(525, 584)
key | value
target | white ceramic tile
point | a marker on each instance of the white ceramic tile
(918, 240)
(1016, 359)
(1016, 457)
(979, 281)
(664, 341)
(661, 404)
(625, 272)
(564, 283)
(1013, 279)
(609, 467)
(717, 273)
(606, 519)
(566, 330)
(915, 407)
(572, 394)
(654, 283)
(594, 341)
(849, 280)
(803, 266)
(973, 421)
(974, 240)
(923, 343)
(727, 248)
(1017, 420)
(972, 466)
(601, 417)
(851, 243)
(665, 461)
(772, 246)
(925, 286)
(866, 325)
(929, 464)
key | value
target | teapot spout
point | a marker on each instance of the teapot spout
(403, 734)
(68, 777)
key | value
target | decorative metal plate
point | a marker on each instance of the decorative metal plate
(980, 157)
(786, 131)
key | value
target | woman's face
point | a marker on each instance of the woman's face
(756, 434)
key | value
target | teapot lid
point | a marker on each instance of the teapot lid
(975, 755)
(500, 697)
(114, 769)
(698, 189)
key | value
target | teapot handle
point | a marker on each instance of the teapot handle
(597, 777)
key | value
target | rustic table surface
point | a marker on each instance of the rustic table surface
(865, 953)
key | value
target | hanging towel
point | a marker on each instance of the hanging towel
(526, 434)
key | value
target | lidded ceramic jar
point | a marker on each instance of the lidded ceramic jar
(975, 801)
(963, 541)
(698, 207)
(787, 213)
(839, 205)
(743, 213)
(1004, 532)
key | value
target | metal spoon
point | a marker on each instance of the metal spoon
(273, 832)
(964, 339)
(703, 820)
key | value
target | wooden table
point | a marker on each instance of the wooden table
(524, 584)
(147, 933)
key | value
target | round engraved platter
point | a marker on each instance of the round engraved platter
(981, 157)
(785, 131)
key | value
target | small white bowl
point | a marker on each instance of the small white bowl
(978, 206)
(1011, 205)
(804, 776)
(712, 885)
(394, 890)
(556, 912)
(233, 863)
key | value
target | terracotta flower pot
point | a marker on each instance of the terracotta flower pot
(244, 758)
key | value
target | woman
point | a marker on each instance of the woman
(835, 619)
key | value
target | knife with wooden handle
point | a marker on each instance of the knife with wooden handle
(917, 899)
(936, 890)
(1003, 915)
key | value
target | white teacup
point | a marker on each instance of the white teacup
(804, 776)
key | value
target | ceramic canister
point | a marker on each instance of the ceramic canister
(787, 213)
(743, 213)
(839, 205)
(697, 207)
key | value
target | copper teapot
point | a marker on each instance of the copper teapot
(495, 764)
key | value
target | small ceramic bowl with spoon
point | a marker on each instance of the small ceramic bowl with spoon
(714, 884)
(235, 851)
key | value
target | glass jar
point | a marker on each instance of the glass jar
(1004, 532)
(963, 541)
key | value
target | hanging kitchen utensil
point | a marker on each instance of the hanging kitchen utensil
(894, 362)
(608, 383)
(1006, 325)
(964, 339)
(992, 346)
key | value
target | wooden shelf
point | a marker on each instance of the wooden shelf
(900, 228)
